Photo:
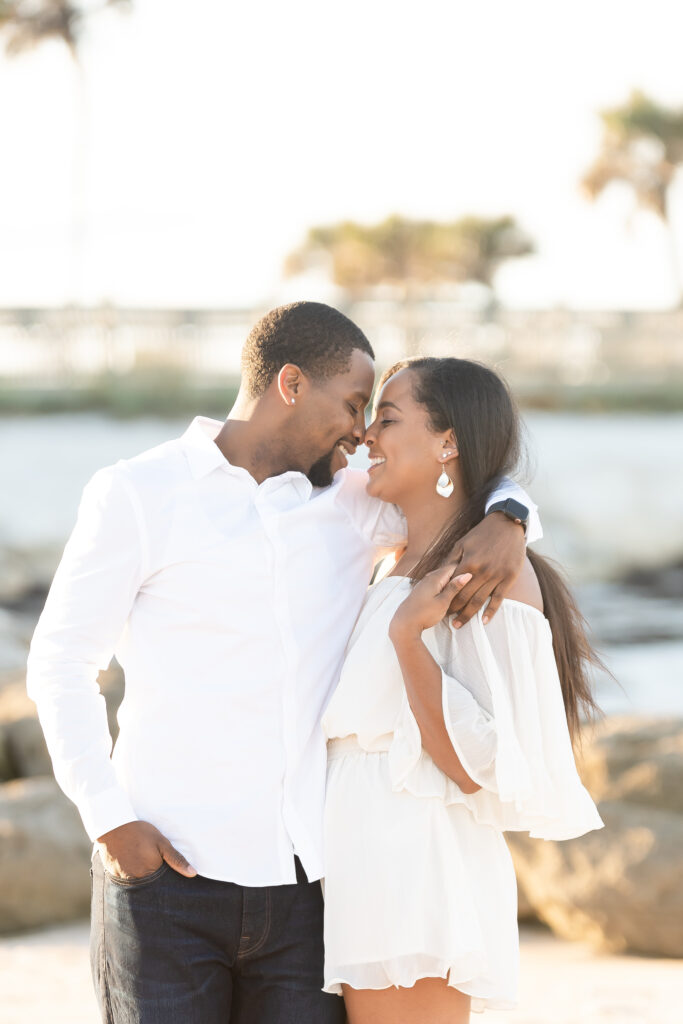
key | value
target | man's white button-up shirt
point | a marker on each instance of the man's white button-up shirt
(229, 605)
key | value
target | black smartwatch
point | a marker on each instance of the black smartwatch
(513, 510)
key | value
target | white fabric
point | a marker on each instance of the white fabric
(229, 605)
(418, 878)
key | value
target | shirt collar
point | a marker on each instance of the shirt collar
(204, 456)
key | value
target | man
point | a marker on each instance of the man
(225, 569)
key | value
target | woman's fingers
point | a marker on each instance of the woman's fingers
(442, 576)
(464, 595)
(458, 582)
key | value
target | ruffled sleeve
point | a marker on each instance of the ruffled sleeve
(503, 710)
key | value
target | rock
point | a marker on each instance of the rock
(112, 685)
(6, 766)
(27, 748)
(664, 581)
(20, 731)
(525, 911)
(13, 646)
(637, 759)
(25, 570)
(620, 887)
(44, 856)
(24, 742)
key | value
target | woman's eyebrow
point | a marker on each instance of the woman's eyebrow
(384, 404)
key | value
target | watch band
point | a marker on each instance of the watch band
(513, 510)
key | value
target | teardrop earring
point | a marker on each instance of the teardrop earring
(444, 485)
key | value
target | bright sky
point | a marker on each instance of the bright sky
(214, 134)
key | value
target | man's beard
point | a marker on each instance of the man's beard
(320, 473)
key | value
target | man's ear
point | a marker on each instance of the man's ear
(289, 381)
(449, 448)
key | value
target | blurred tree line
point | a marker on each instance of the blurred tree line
(642, 147)
(411, 255)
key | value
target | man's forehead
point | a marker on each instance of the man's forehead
(360, 376)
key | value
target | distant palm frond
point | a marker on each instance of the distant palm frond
(642, 146)
(28, 23)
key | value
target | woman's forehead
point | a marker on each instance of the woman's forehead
(399, 386)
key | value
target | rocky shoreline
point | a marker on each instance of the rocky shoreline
(620, 889)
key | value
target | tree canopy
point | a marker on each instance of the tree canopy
(642, 145)
(403, 251)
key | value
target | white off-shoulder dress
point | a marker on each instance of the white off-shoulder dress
(418, 878)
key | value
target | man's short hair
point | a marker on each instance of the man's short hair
(313, 336)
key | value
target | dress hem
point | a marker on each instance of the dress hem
(480, 1002)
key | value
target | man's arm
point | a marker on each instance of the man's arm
(494, 552)
(93, 591)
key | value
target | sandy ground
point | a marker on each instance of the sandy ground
(45, 976)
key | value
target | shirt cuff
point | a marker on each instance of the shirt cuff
(106, 811)
(509, 489)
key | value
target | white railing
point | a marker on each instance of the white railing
(62, 347)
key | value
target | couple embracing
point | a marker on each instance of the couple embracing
(283, 724)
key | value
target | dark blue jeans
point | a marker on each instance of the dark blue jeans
(173, 950)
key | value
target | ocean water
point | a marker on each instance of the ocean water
(609, 487)
(609, 490)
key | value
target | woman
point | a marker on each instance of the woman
(439, 741)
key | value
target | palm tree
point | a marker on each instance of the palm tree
(27, 24)
(642, 145)
(411, 255)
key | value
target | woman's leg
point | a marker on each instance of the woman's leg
(429, 1001)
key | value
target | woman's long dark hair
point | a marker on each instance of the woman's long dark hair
(475, 403)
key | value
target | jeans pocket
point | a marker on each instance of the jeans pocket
(137, 883)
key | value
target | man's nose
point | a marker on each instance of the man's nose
(359, 431)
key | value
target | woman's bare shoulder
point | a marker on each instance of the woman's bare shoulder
(526, 588)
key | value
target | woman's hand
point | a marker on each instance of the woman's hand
(428, 601)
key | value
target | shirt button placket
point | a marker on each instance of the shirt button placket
(271, 524)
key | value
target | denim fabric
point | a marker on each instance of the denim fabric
(166, 949)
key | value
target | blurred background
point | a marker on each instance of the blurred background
(497, 181)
